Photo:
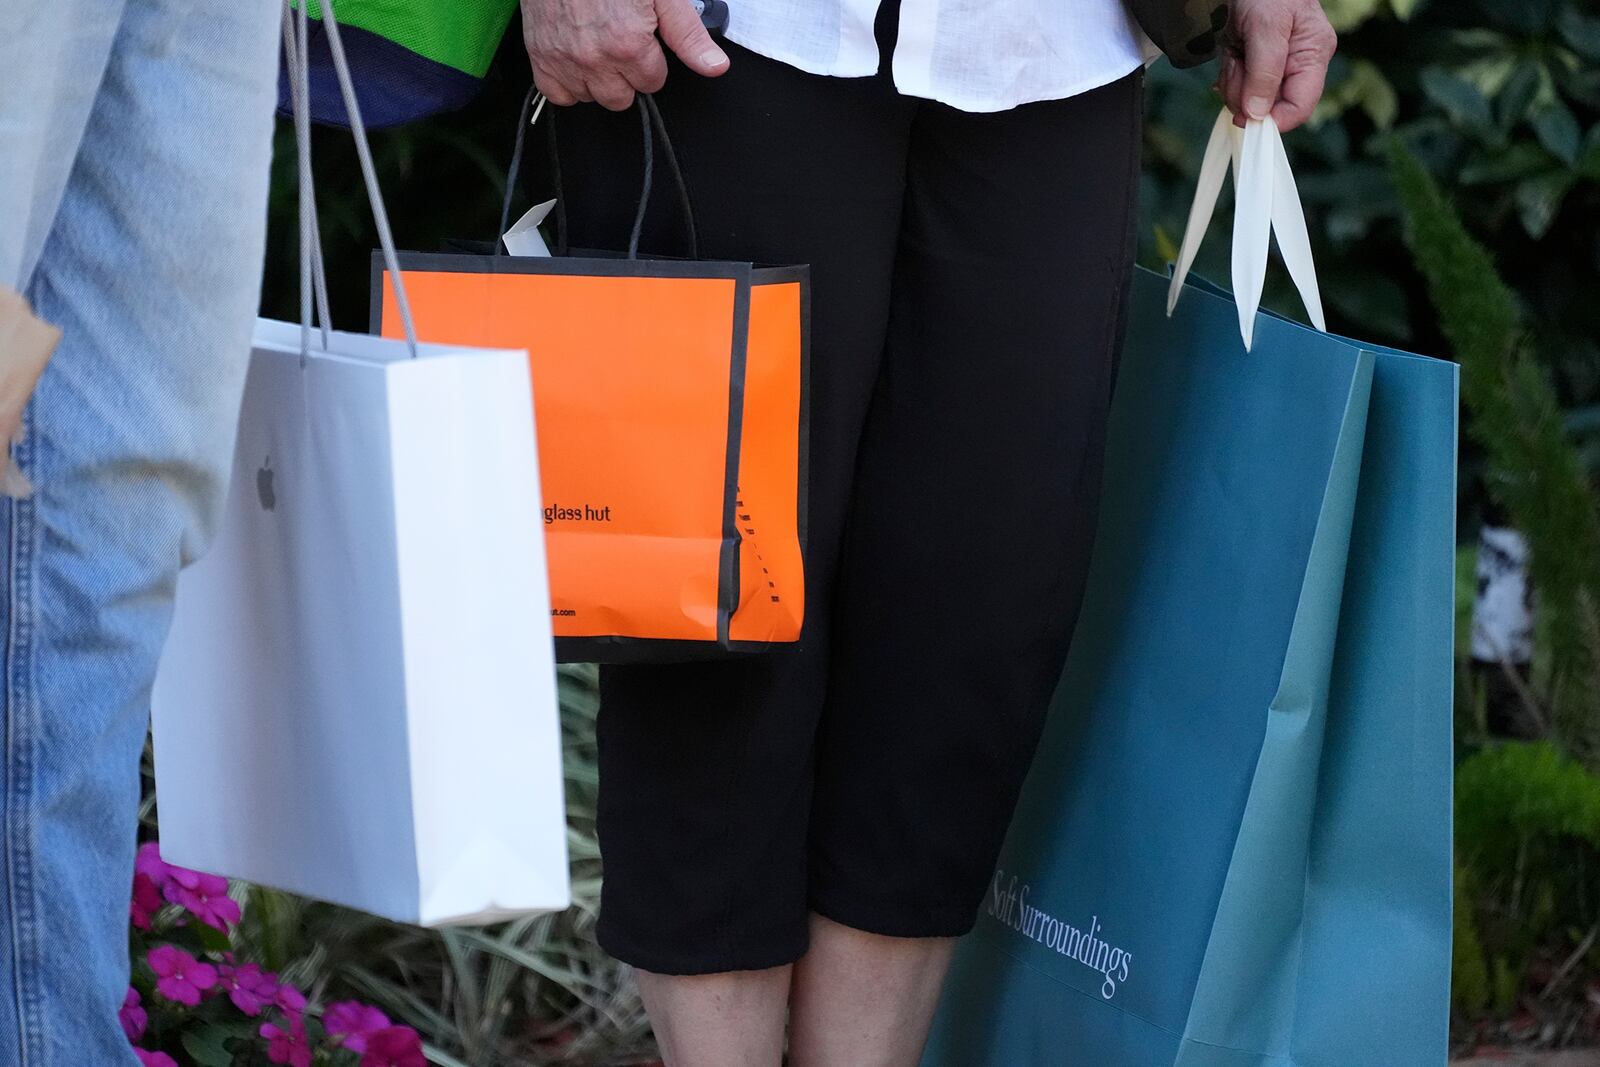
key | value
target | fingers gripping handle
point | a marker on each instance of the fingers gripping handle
(1267, 203)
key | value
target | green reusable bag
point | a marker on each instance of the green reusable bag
(408, 58)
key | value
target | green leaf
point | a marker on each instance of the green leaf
(213, 939)
(1539, 198)
(1489, 74)
(1380, 102)
(402, 1004)
(440, 1057)
(1458, 98)
(1583, 420)
(1581, 32)
(1348, 14)
(1533, 468)
(1166, 247)
(1558, 131)
(1589, 158)
(1477, 311)
(1521, 160)
(1466, 592)
(208, 1047)
(1469, 973)
(1403, 9)
(1371, 298)
(1167, 145)
(1517, 95)
(1480, 41)
(1583, 85)
(565, 977)
(1525, 18)
(1372, 90)
(1363, 86)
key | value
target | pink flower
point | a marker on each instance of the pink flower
(288, 1046)
(150, 864)
(354, 1023)
(132, 1015)
(397, 1046)
(154, 1059)
(146, 900)
(179, 976)
(249, 987)
(290, 1000)
(205, 896)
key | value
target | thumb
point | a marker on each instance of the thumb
(682, 31)
(1266, 51)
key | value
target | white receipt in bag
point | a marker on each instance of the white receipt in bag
(358, 699)
(524, 239)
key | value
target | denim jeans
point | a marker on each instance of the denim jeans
(134, 158)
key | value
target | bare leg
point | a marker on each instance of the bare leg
(864, 999)
(718, 1020)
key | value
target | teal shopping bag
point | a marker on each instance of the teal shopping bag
(1233, 849)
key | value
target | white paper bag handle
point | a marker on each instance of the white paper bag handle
(311, 259)
(1266, 202)
(312, 271)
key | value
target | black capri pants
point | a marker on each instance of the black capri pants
(969, 276)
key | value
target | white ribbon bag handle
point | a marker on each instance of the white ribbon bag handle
(1266, 202)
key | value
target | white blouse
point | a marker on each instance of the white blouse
(976, 55)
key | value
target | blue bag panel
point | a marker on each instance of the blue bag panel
(1217, 466)
(1245, 995)
(1032, 1029)
(1375, 982)
(393, 84)
(1372, 986)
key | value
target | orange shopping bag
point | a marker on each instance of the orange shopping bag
(670, 405)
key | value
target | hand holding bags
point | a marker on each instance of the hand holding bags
(670, 400)
(357, 701)
(1234, 847)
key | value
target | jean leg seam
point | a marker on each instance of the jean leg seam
(21, 755)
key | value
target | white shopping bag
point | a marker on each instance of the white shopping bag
(357, 701)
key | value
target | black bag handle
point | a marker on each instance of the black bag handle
(653, 128)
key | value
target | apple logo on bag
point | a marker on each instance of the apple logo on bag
(264, 487)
